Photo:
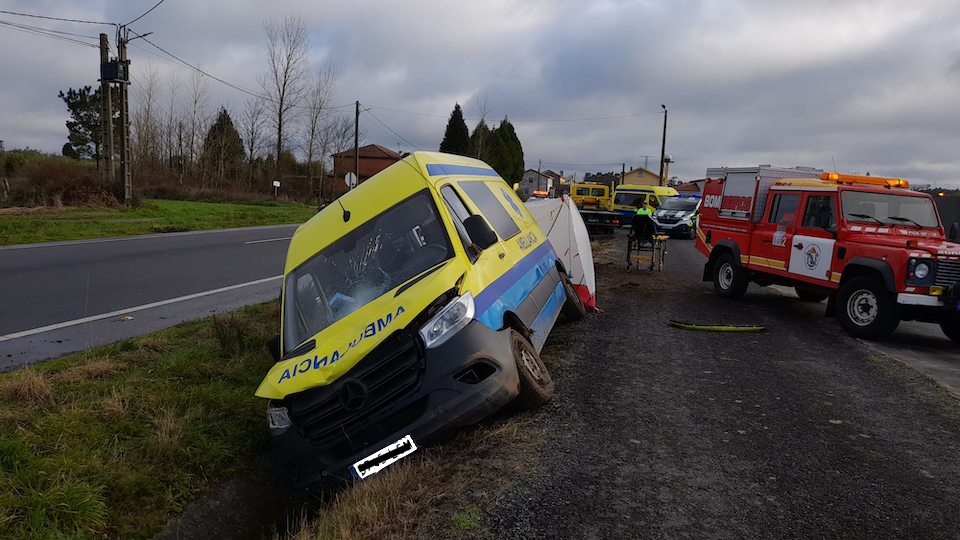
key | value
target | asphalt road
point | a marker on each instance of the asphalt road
(799, 431)
(64, 297)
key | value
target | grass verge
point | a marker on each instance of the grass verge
(112, 442)
(24, 226)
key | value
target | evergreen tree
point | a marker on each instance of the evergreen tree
(456, 139)
(507, 153)
(223, 147)
(481, 144)
(68, 151)
(85, 131)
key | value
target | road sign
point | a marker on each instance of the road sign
(351, 180)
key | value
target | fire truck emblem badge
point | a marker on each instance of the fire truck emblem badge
(812, 256)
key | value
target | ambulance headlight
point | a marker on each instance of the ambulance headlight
(451, 319)
(921, 271)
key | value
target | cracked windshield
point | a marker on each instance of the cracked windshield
(362, 265)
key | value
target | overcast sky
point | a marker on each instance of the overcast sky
(746, 82)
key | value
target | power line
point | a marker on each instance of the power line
(55, 18)
(391, 131)
(145, 14)
(45, 33)
(547, 121)
(575, 164)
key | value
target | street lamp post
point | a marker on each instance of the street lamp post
(663, 147)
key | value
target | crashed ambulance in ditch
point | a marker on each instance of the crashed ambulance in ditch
(417, 303)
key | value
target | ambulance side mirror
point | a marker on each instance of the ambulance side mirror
(954, 230)
(480, 232)
(274, 346)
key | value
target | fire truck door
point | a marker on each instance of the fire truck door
(774, 234)
(812, 247)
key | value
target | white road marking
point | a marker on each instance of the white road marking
(93, 318)
(270, 240)
(140, 237)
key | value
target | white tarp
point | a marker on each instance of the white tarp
(561, 221)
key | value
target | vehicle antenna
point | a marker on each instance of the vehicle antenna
(346, 213)
(871, 166)
(834, 164)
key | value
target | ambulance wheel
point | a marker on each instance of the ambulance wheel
(811, 296)
(536, 386)
(866, 310)
(950, 325)
(729, 279)
(573, 308)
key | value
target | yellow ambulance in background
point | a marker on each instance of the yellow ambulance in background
(628, 197)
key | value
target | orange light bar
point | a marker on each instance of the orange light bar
(868, 180)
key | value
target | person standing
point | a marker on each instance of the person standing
(643, 209)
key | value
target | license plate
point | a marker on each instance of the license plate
(380, 460)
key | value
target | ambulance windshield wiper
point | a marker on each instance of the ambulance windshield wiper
(866, 216)
(904, 220)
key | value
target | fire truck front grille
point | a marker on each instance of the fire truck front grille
(948, 272)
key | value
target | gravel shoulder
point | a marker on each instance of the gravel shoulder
(796, 432)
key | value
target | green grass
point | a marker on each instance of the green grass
(467, 519)
(113, 442)
(156, 216)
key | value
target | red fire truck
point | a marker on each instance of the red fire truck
(874, 249)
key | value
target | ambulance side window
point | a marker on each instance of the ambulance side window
(654, 202)
(492, 209)
(459, 212)
(817, 206)
(783, 211)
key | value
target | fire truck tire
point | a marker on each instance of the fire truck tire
(573, 308)
(811, 296)
(866, 310)
(536, 386)
(729, 279)
(950, 325)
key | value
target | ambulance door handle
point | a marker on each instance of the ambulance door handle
(502, 255)
(798, 246)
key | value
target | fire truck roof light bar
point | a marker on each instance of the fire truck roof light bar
(869, 180)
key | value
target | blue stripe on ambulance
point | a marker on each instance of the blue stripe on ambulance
(439, 169)
(512, 288)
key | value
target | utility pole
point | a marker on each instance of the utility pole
(356, 145)
(539, 164)
(623, 175)
(125, 165)
(663, 147)
(106, 115)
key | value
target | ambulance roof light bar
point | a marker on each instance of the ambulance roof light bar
(866, 180)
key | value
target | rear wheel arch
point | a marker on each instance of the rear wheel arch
(723, 246)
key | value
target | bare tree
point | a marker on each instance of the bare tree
(339, 134)
(252, 123)
(146, 119)
(197, 94)
(479, 147)
(319, 96)
(288, 64)
(174, 87)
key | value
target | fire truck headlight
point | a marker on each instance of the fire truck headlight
(921, 271)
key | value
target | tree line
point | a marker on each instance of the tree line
(499, 147)
(178, 139)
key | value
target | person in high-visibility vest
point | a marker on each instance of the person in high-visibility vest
(643, 210)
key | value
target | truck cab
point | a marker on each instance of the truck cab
(876, 250)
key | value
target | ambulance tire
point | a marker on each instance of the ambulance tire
(865, 309)
(573, 308)
(536, 386)
(950, 325)
(811, 296)
(729, 278)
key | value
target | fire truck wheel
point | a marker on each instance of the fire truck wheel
(811, 296)
(536, 386)
(729, 279)
(866, 310)
(950, 325)
(573, 308)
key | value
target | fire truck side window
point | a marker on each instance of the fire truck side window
(784, 209)
(817, 205)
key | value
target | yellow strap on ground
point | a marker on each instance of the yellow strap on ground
(718, 327)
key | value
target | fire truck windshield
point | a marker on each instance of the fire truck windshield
(889, 209)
